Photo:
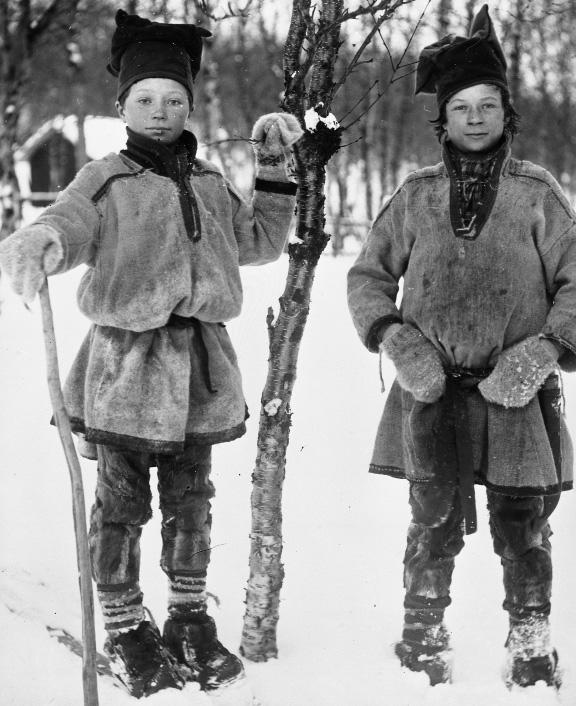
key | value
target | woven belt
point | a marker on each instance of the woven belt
(458, 382)
(176, 321)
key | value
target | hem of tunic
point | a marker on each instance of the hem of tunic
(396, 472)
(159, 446)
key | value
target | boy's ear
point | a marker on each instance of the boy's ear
(119, 109)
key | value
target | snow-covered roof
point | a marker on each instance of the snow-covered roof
(102, 134)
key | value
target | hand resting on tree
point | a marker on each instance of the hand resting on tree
(273, 135)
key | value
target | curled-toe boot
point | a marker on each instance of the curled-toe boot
(193, 640)
(141, 662)
(426, 648)
(530, 655)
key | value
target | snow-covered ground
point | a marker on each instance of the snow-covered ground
(344, 531)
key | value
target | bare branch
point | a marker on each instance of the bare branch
(385, 45)
(404, 75)
(249, 140)
(378, 22)
(369, 107)
(362, 97)
(409, 42)
(374, 6)
(349, 144)
(207, 9)
(58, 13)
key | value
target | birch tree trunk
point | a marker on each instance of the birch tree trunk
(310, 54)
(285, 332)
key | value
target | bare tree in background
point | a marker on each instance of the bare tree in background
(444, 12)
(20, 31)
(310, 54)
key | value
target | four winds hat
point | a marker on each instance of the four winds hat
(144, 49)
(455, 63)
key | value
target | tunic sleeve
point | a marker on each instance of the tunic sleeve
(76, 219)
(261, 227)
(558, 252)
(373, 280)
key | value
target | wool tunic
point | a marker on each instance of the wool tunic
(474, 296)
(157, 368)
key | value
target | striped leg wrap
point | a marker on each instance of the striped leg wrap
(186, 594)
(122, 609)
(424, 626)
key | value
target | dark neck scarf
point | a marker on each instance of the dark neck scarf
(475, 176)
(173, 160)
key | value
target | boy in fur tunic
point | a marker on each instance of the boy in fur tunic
(486, 246)
(156, 381)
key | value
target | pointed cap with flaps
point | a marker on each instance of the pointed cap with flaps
(454, 63)
(144, 49)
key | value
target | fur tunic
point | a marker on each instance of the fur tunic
(139, 380)
(473, 296)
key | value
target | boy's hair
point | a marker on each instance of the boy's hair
(511, 116)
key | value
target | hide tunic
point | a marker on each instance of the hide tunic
(473, 296)
(157, 369)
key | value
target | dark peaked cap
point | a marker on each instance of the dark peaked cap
(454, 63)
(144, 49)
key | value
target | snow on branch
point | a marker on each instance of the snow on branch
(312, 118)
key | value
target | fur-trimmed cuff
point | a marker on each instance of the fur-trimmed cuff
(276, 187)
(377, 329)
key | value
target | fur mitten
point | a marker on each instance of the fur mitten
(520, 372)
(27, 256)
(273, 135)
(418, 365)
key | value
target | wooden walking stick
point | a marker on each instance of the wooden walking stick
(78, 506)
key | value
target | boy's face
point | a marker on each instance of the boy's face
(157, 108)
(475, 117)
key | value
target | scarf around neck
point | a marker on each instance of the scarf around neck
(173, 160)
(474, 179)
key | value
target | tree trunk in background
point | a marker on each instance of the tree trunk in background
(19, 33)
(339, 176)
(566, 98)
(212, 115)
(366, 149)
(397, 130)
(516, 52)
(312, 154)
(444, 12)
(470, 11)
(14, 69)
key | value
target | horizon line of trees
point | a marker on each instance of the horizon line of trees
(389, 133)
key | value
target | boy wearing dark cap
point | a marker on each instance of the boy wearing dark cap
(156, 381)
(486, 247)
